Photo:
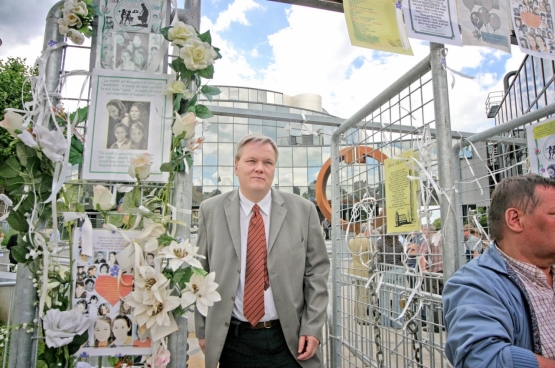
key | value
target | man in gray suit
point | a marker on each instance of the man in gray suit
(295, 301)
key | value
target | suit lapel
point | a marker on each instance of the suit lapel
(277, 217)
(232, 215)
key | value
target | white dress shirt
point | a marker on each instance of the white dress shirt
(245, 217)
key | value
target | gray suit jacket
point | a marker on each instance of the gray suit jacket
(298, 267)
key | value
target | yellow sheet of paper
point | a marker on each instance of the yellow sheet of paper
(400, 195)
(373, 24)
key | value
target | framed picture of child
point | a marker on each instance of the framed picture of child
(130, 114)
(101, 297)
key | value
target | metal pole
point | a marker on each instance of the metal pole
(21, 343)
(183, 199)
(53, 65)
(445, 160)
(335, 327)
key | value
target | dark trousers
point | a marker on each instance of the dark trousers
(435, 286)
(265, 347)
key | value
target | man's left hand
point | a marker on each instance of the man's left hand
(307, 347)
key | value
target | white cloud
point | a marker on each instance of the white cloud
(235, 13)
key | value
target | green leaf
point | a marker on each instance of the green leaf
(19, 252)
(49, 355)
(176, 64)
(168, 273)
(164, 32)
(209, 90)
(207, 72)
(18, 222)
(199, 271)
(179, 311)
(205, 37)
(21, 153)
(185, 73)
(78, 340)
(27, 204)
(218, 55)
(166, 167)
(189, 159)
(76, 151)
(10, 168)
(177, 101)
(81, 115)
(202, 112)
(182, 275)
(79, 207)
(128, 200)
(165, 240)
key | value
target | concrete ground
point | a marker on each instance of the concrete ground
(196, 357)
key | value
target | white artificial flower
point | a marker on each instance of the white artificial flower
(185, 123)
(52, 143)
(149, 284)
(61, 327)
(179, 87)
(153, 312)
(32, 254)
(181, 31)
(139, 167)
(63, 27)
(75, 36)
(197, 55)
(102, 198)
(28, 139)
(72, 19)
(159, 360)
(150, 234)
(201, 290)
(80, 8)
(178, 253)
(12, 122)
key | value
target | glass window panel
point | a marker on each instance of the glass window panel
(271, 123)
(299, 156)
(225, 189)
(240, 120)
(233, 93)
(197, 175)
(253, 95)
(270, 97)
(286, 189)
(225, 154)
(314, 156)
(278, 98)
(224, 94)
(226, 175)
(276, 178)
(243, 94)
(197, 195)
(255, 121)
(270, 132)
(241, 105)
(300, 176)
(255, 106)
(285, 177)
(269, 107)
(285, 157)
(225, 119)
(209, 153)
(211, 135)
(209, 175)
(325, 154)
(197, 156)
(226, 103)
(262, 96)
(240, 131)
(225, 132)
(313, 174)
(255, 129)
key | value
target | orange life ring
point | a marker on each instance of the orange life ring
(348, 155)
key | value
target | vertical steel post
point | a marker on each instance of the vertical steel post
(24, 311)
(445, 160)
(335, 326)
(23, 349)
(182, 199)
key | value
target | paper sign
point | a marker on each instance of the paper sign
(533, 25)
(374, 24)
(541, 148)
(433, 20)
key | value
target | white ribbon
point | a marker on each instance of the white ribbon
(86, 230)
(401, 25)
(443, 53)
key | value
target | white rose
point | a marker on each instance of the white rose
(140, 166)
(81, 9)
(72, 19)
(197, 55)
(52, 143)
(181, 31)
(75, 36)
(61, 327)
(63, 27)
(12, 122)
(179, 87)
(102, 199)
(185, 123)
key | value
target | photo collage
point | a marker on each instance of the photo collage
(100, 287)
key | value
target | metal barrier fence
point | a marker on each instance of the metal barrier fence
(386, 306)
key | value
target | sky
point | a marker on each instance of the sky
(294, 49)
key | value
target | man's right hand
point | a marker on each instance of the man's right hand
(201, 343)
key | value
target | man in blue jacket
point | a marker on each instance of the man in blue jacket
(500, 308)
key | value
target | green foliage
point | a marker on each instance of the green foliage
(14, 92)
(76, 151)
(437, 223)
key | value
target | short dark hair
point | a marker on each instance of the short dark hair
(89, 281)
(515, 192)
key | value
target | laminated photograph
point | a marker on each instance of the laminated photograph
(130, 36)
(100, 287)
(130, 114)
(541, 148)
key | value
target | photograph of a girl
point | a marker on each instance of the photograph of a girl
(102, 332)
(122, 141)
(121, 330)
(127, 125)
(103, 310)
(138, 136)
(104, 269)
(117, 113)
(124, 308)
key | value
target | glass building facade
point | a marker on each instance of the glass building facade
(238, 111)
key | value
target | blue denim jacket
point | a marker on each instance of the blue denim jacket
(488, 317)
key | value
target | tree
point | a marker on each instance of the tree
(13, 73)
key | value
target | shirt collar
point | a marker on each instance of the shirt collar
(264, 204)
(526, 270)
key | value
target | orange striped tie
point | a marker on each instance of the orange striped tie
(256, 273)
